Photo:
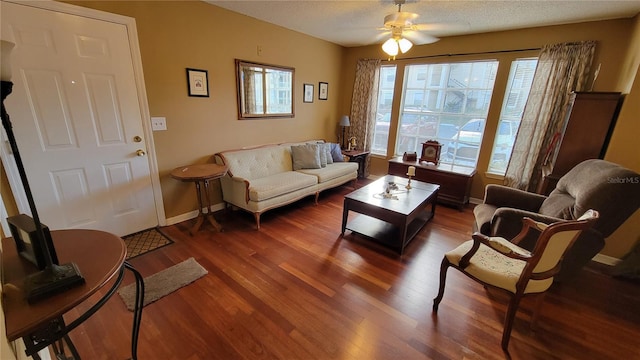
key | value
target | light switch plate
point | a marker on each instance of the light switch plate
(158, 123)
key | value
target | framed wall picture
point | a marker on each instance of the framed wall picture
(198, 82)
(323, 91)
(308, 93)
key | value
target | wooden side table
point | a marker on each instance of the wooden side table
(99, 255)
(201, 175)
(358, 156)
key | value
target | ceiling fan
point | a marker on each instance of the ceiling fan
(405, 31)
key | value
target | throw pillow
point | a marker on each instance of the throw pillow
(327, 151)
(305, 156)
(336, 153)
(323, 154)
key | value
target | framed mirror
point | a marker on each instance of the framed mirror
(264, 91)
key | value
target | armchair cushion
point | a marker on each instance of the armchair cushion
(491, 267)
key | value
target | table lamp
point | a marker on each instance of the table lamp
(52, 278)
(344, 122)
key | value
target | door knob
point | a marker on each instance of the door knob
(140, 152)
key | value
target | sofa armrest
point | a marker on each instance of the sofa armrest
(235, 190)
(504, 196)
(239, 183)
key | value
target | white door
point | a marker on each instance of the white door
(77, 120)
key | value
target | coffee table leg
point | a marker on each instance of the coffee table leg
(404, 237)
(345, 215)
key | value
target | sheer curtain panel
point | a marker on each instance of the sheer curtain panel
(364, 104)
(562, 68)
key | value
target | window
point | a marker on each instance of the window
(383, 116)
(515, 98)
(448, 103)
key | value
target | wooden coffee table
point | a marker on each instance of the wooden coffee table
(393, 221)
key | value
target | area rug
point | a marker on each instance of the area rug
(164, 282)
(144, 241)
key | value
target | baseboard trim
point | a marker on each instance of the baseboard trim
(607, 260)
(475, 201)
(192, 214)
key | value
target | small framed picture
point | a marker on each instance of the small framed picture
(323, 91)
(308, 93)
(198, 82)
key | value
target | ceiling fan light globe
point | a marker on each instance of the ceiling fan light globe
(390, 47)
(405, 45)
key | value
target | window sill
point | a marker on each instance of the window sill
(494, 176)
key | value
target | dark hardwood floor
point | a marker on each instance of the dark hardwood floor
(297, 290)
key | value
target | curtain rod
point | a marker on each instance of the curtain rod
(463, 54)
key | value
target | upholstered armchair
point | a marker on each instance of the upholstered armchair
(609, 188)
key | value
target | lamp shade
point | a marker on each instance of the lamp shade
(405, 45)
(5, 63)
(390, 47)
(344, 121)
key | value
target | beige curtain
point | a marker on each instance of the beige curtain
(364, 104)
(562, 68)
(250, 91)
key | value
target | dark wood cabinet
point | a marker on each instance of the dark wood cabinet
(454, 181)
(590, 120)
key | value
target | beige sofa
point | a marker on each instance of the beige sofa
(265, 177)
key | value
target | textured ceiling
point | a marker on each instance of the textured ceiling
(357, 23)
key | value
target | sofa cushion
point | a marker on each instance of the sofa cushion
(306, 156)
(279, 184)
(331, 171)
(336, 153)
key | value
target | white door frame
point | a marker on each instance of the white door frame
(132, 32)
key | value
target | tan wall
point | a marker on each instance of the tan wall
(175, 35)
(623, 148)
(617, 65)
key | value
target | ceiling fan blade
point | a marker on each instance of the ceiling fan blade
(419, 38)
(435, 27)
(384, 35)
(400, 19)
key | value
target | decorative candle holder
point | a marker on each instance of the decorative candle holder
(409, 183)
